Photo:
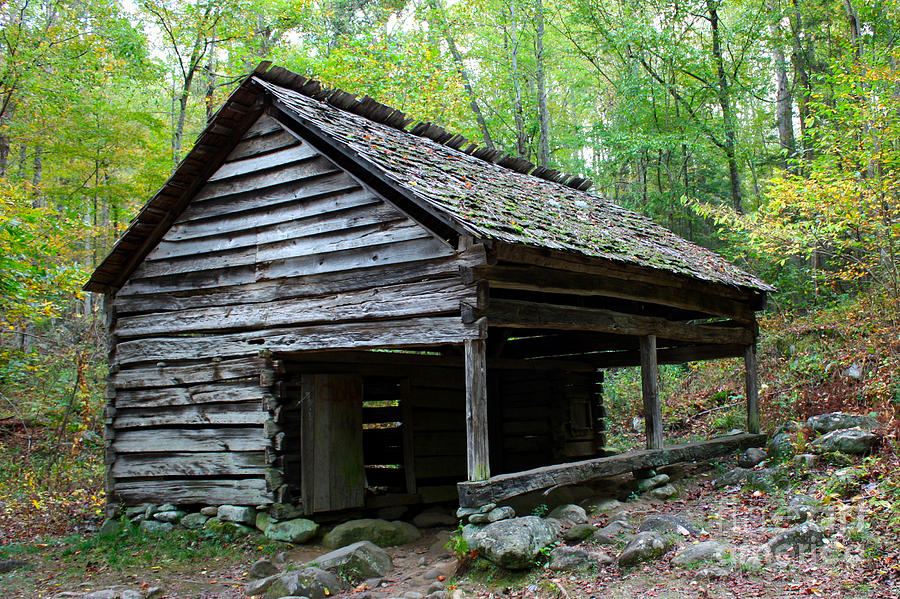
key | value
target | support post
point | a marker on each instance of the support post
(477, 447)
(751, 388)
(650, 391)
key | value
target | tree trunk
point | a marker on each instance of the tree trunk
(784, 105)
(801, 57)
(543, 111)
(723, 93)
(512, 42)
(438, 11)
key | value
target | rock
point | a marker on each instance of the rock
(284, 511)
(802, 508)
(237, 513)
(761, 479)
(569, 514)
(667, 523)
(713, 573)
(798, 539)
(825, 423)
(607, 534)
(432, 518)
(438, 595)
(432, 574)
(153, 592)
(478, 518)
(380, 532)
(8, 565)
(356, 562)
(515, 543)
(781, 445)
(653, 482)
(806, 460)
(263, 519)
(753, 564)
(413, 595)
(104, 594)
(131, 594)
(155, 526)
(209, 511)
(172, 516)
(751, 457)
(601, 505)
(194, 521)
(260, 586)
(263, 568)
(469, 534)
(500, 513)
(135, 510)
(434, 587)
(167, 507)
(664, 492)
(313, 583)
(578, 533)
(637, 424)
(298, 530)
(110, 528)
(574, 559)
(391, 512)
(227, 528)
(643, 547)
(465, 512)
(698, 552)
(853, 441)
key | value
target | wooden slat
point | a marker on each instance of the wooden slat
(229, 413)
(397, 301)
(321, 183)
(173, 375)
(412, 331)
(244, 491)
(193, 440)
(252, 233)
(477, 454)
(517, 313)
(255, 164)
(195, 394)
(650, 393)
(504, 486)
(675, 355)
(751, 389)
(262, 144)
(311, 285)
(252, 463)
(548, 280)
(263, 126)
(262, 180)
(379, 234)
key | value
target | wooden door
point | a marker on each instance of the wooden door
(333, 474)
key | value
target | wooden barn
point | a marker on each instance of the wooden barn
(329, 307)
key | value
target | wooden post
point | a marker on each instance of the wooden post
(477, 448)
(650, 390)
(751, 388)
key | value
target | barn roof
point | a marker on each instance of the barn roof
(476, 191)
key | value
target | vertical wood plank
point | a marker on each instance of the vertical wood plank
(752, 389)
(598, 412)
(650, 391)
(409, 454)
(477, 445)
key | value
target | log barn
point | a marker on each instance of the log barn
(328, 306)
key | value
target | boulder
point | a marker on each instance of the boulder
(194, 521)
(607, 534)
(751, 457)
(8, 565)
(380, 532)
(313, 583)
(825, 423)
(262, 568)
(356, 562)
(172, 516)
(643, 547)
(806, 460)
(664, 492)
(802, 508)
(284, 511)
(653, 482)
(110, 528)
(601, 505)
(575, 559)
(155, 526)
(569, 514)
(227, 528)
(210, 511)
(781, 445)
(500, 513)
(259, 586)
(104, 594)
(578, 533)
(799, 539)
(853, 441)
(668, 523)
(761, 479)
(237, 513)
(699, 552)
(515, 543)
(298, 530)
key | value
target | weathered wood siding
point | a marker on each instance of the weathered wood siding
(280, 251)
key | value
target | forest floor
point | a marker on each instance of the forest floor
(859, 558)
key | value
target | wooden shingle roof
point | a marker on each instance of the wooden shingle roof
(477, 191)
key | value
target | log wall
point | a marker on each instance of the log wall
(280, 251)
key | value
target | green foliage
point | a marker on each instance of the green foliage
(458, 544)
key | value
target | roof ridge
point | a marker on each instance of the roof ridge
(369, 108)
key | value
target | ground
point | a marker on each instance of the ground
(857, 561)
